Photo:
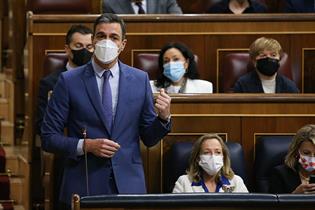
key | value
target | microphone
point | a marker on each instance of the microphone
(86, 163)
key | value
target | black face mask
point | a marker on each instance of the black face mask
(267, 66)
(81, 57)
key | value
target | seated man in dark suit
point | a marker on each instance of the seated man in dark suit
(299, 6)
(141, 7)
(79, 50)
(237, 7)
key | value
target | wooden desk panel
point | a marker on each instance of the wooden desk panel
(193, 201)
(237, 117)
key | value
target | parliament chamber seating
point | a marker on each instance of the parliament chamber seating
(235, 65)
(177, 161)
(7, 181)
(270, 151)
(240, 117)
(62, 7)
(5, 199)
(51, 165)
(54, 62)
(148, 62)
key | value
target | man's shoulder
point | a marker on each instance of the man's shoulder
(77, 71)
(54, 74)
(52, 77)
(131, 69)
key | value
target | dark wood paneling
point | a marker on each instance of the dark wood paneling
(237, 117)
(308, 61)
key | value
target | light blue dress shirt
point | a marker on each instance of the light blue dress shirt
(114, 85)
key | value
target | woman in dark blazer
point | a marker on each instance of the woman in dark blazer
(294, 175)
(265, 54)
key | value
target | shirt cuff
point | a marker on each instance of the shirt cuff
(168, 120)
(80, 147)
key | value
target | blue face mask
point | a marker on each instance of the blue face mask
(174, 70)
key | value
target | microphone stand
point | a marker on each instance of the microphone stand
(86, 163)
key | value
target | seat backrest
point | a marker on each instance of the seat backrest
(148, 62)
(60, 6)
(195, 7)
(54, 62)
(177, 161)
(270, 151)
(2, 160)
(234, 65)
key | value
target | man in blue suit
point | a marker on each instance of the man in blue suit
(148, 6)
(105, 117)
(299, 6)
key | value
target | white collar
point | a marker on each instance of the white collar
(99, 70)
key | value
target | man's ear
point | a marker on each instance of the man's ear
(67, 50)
(123, 44)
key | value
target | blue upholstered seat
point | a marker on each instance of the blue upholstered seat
(270, 151)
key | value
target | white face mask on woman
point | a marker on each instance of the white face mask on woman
(211, 163)
(106, 51)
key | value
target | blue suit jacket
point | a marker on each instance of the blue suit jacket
(75, 104)
(251, 83)
(299, 6)
(153, 7)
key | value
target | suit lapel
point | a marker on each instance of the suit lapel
(93, 92)
(151, 6)
(257, 85)
(124, 92)
(125, 5)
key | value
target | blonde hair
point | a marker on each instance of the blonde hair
(195, 171)
(306, 133)
(263, 43)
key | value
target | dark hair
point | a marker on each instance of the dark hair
(77, 29)
(111, 18)
(192, 73)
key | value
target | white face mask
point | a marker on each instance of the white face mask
(307, 162)
(106, 51)
(211, 163)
